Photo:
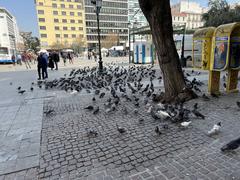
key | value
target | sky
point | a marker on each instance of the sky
(25, 12)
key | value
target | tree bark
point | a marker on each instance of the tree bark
(158, 14)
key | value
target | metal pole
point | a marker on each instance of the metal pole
(183, 43)
(129, 42)
(99, 42)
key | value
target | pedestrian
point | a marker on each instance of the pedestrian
(44, 60)
(95, 56)
(39, 66)
(56, 59)
(70, 58)
(25, 60)
(13, 59)
(64, 56)
(19, 59)
(50, 61)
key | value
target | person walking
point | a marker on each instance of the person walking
(56, 59)
(44, 60)
(39, 66)
(19, 59)
(25, 60)
(70, 58)
(50, 61)
(13, 59)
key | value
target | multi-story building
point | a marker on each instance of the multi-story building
(113, 21)
(9, 33)
(189, 13)
(61, 22)
(135, 15)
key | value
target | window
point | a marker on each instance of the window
(40, 11)
(63, 13)
(64, 20)
(77, 0)
(54, 5)
(57, 35)
(40, 3)
(43, 35)
(79, 21)
(43, 27)
(62, 5)
(79, 14)
(69, 1)
(72, 21)
(56, 20)
(55, 12)
(73, 28)
(41, 19)
(80, 28)
(74, 36)
(56, 28)
(71, 13)
(79, 6)
(65, 28)
(71, 6)
(66, 35)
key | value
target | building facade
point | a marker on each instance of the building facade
(113, 21)
(9, 32)
(135, 14)
(189, 13)
(61, 22)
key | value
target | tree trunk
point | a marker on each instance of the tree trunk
(158, 14)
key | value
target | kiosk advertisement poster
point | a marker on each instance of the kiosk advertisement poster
(220, 52)
(235, 52)
(198, 53)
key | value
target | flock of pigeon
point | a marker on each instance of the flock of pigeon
(136, 85)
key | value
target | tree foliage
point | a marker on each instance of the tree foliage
(220, 12)
(30, 42)
(109, 41)
(78, 45)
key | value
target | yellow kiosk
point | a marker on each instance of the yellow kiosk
(225, 56)
(202, 44)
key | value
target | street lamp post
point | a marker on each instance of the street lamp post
(183, 43)
(98, 6)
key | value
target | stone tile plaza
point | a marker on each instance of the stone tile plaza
(119, 90)
(44, 135)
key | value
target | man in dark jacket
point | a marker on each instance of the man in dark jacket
(56, 59)
(39, 66)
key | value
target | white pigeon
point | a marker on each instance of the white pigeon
(149, 109)
(161, 106)
(215, 130)
(74, 92)
(162, 114)
(186, 123)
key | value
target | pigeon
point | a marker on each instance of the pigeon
(162, 114)
(205, 97)
(50, 111)
(89, 107)
(21, 91)
(96, 110)
(19, 88)
(165, 126)
(195, 106)
(31, 88)
(214, 95)
(11, 83)
(186, 123)
(198, 114)
(91, 132)
(121, 129)
(102, 95)
(215, 129)
(231, 145)
(141, 121)
(40, 86)
(93, 99)
(238, 104)
(157, 130)
(74, 92)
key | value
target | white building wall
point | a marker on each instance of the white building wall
(9, 33)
